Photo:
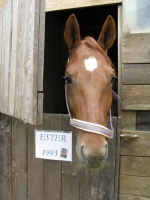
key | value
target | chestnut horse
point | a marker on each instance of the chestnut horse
(89, 77)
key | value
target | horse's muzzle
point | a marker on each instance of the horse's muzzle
(91, 161)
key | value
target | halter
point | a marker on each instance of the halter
(92, 127)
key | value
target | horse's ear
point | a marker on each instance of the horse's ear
(72, 32)
(108, 34)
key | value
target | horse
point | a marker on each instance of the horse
(89, 76)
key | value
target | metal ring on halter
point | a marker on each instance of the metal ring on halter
(92, 127)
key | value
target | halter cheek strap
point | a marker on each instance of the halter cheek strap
(92, 127)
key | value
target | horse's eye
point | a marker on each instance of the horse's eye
(112, 79)
(68, 80)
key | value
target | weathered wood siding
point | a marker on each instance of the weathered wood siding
(27, 178)
(21, 58)
(135, 48)
(134, 167)
(52, 5)
(135, 156)
(136, 74)
(5, 157)
(135, 97)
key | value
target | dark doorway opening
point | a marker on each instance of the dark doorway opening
(56, 53)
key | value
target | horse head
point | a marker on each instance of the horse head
(89, 77)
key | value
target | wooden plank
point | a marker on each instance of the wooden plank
(35, 42)
(30, 62)
(5, 157)
(35, 174)
(135, 166)
(117, 161)
(137, 186)
(52, 169)
(30, 52)
(1, 65)
(140, 147)
(19, 60)
(135, 97)
(55, 5)
(25, 75)
(19, 160)
(6, 42)
(40, 107)
(13, 60)
(20, 29)
(107, 174)
(89, 188)
(70, 172)
(41, 60)
(129, 197)
(135, 48)
(2, 62)
(136, 74)
(41, 44)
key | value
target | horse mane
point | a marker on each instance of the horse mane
(91, 42)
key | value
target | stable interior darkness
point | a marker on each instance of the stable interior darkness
(56, 53)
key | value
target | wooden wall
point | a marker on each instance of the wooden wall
(23, 177)
(21, 59)
(135, 156)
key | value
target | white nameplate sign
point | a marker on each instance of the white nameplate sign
(53, 145)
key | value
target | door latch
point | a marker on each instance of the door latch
(129, 136)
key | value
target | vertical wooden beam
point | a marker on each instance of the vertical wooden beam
(89, 184)
(52, 169)
(41, 44)
(35, 167)
(70, 174)
(117, 163)
(40, 97)
(41, 60)
(20, 31)
(5, 157)
(1, 66)
(6, 27)
(19, 160)
(107, 174)
(12, 59)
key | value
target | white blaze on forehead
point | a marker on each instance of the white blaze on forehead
(90, 64)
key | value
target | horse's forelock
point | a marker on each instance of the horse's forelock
(92, 43)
